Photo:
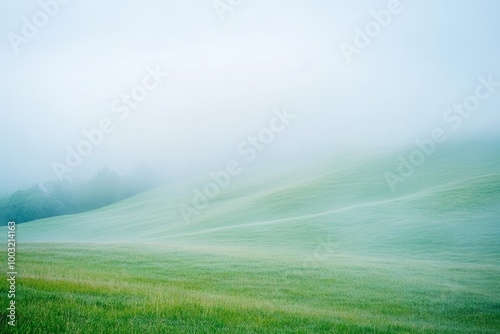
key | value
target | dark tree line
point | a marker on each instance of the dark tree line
(61, 197)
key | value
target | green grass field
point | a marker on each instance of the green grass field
(325, 249)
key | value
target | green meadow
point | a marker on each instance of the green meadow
(328, 248)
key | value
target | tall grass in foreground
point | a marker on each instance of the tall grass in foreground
(117, 289)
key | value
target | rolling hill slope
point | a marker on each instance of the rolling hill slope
(329, 249)
(450, 204)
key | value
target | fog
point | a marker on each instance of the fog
(227, 77)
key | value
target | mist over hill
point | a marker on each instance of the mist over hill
(448, 205)
(307, 166)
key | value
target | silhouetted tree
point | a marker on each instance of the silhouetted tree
(59, 197)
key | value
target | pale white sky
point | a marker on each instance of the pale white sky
(227, 76)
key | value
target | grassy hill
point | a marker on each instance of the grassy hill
(324, 249)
